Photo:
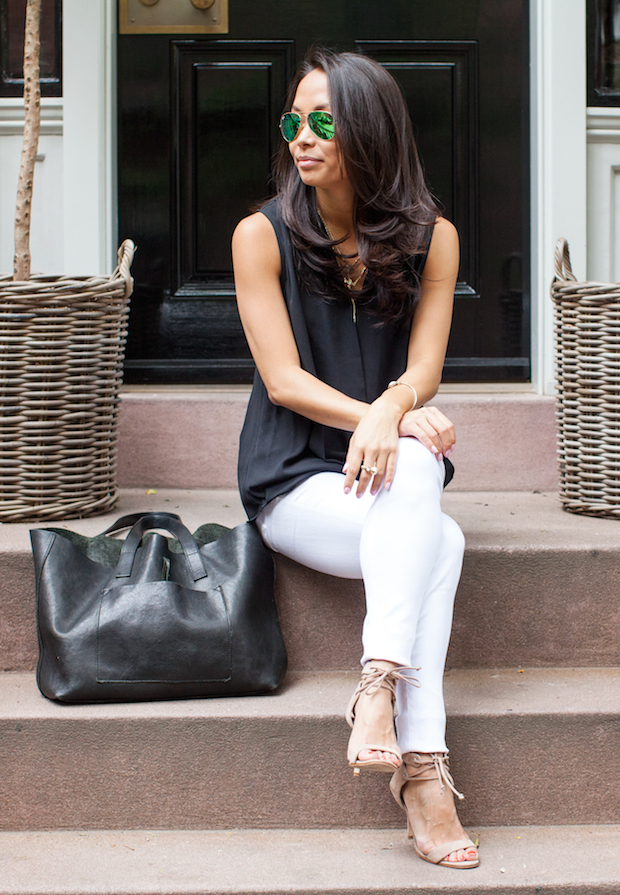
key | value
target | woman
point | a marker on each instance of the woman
(345, 284)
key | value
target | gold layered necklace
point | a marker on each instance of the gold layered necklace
(348, 281)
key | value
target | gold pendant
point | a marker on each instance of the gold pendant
(354, 307)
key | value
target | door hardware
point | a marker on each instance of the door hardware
(173, 16)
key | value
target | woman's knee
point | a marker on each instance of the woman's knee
(417, 469)
(453, 539)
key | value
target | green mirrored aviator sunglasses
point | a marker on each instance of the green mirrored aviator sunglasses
(320, 123)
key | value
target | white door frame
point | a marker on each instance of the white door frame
(89, 136)
(559, 164)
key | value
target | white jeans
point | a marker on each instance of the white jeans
(409, 555)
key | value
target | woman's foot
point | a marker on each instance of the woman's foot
(426, 791)
(372, 712)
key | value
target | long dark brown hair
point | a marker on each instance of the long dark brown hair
(394, 211)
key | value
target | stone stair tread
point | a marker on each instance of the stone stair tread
(535, 586)
(581, 860)
(323, 695)
(195, 507)
(497, 520)
(202, 426)
(519, 742)
(517, 520)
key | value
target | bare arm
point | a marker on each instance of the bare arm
(429, 340)
(427, 349)
(256, 261)
(433, 316)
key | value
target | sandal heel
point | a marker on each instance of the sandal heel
(434, 767)
(374, 679)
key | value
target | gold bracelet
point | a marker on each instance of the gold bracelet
(402, 382)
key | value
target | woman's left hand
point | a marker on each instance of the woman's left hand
(430, 426)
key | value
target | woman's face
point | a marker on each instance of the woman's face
(318, 161)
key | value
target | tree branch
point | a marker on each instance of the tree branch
(32, 126)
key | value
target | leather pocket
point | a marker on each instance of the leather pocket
(163, 632)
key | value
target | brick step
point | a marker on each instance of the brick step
(520, 741)
(537, 587)
(171, 436)
(580, 860)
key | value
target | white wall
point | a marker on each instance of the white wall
(603, 196)
(74, 200)
(46, 238)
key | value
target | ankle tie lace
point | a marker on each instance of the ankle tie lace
(438, 763)
(373, 678)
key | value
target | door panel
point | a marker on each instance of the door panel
(198, 128)
(439, 83)
(228, 100)
(228, 108)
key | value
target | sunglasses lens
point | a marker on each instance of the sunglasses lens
(289, 125)
(321, 124)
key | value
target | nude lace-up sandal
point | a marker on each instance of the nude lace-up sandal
(433, 768)
(374, 679)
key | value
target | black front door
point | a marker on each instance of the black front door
(198, 126)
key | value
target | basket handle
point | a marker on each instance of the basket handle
(125, 257)
(561, 262)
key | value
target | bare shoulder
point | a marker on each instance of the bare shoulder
(443, 253)
(445, 234)
(255, 243)
(255, 227)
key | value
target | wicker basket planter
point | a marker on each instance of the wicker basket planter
(587, 330)
(62, 344)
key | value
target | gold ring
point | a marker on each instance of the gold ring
(372, 470)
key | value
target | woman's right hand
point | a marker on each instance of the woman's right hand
(374, 444)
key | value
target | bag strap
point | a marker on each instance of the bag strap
(169, 522)
(130, 520)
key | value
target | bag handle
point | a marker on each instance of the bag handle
(130, 520)
(169, 522)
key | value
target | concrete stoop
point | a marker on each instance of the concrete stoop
(253, 795)
(171, 436)
(528, 746)
(535, 589)
(579, 860)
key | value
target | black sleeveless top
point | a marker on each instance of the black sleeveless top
(278, 448)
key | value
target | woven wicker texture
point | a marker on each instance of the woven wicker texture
(587, 330)
(62, 344)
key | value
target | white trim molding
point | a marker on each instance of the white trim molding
(12, 116)
(559, 166)
(603, 125)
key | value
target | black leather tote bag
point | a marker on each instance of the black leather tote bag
(154, 617)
